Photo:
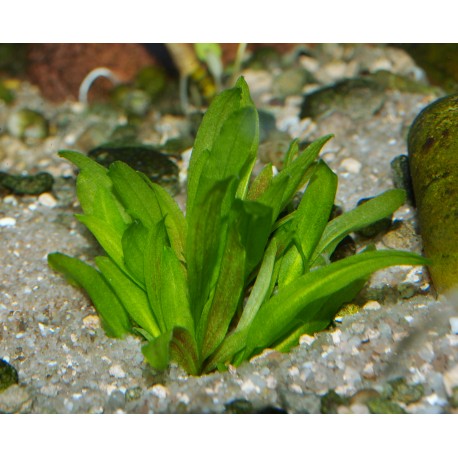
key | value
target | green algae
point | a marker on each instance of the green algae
(433, 157)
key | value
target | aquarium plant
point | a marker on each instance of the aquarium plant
(243, 269)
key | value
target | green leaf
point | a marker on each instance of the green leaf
(261, 287)
(369, 212)
(221, 108)
(206, 236)
(173, 292)
(249, 229)
(309, 221)
(157, 351)
(275, 316)
(132, 297)
(114, 318)
(284, 185)
(261, 182)
(134, 193)
(175, 222)
(94, 191)
(106, 235)
(134, 242)
(175, 345)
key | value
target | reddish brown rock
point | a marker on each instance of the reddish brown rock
(58, 69)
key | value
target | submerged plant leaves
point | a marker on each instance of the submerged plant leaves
(239, 272)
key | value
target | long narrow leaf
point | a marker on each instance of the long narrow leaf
(276, 315)
(310, 219)
(132, 297)
(94, 191)
(291, 178)
(371, 211)
(222, 107)
(114, 318)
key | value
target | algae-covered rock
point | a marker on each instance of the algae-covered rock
(154, 164)
(8, 375)
(384, 406)
(433, 158)
(28, 124)
(27, 184)
(358, 98)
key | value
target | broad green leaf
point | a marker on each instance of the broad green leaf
(114, 318)
(218, 312)
(106, 235)
(183, 350)
(309, 222)
(248, 231)
(292, 152)
(232, 344)
(175, 221)
(205, 242)
(175, 345)
(261, 287)
(173, 292)
(252, 222)
(156, 240)
(157, 351)
(275, 316)
(232, 155)
(222, 107)
(320, 314)
(133, 298)
(261, 182)
(94, 191)
(134, 193)
(371, 211)
(134, 241)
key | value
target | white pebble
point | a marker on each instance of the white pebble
(116, 371)
(11, 200)
(454, 324)
(372, 305)
(160, 391)
(351, 165)
(47, 199)
(7, 222)
(451, 379)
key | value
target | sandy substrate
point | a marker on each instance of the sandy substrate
(50, 333)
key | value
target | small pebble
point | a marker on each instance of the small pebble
(7, 221)
(47, 199)
(451, 380)
(372, 305)
(116, 371)
(351, 165)
(454, 324)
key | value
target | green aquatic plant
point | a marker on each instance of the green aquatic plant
(242, 270)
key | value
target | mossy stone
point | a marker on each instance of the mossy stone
(402, 392)
(384, 406)
(8, 375)
(144, 158)
(27, 184)
(358, 98)
(433, 158)
(28, 124)
(331, 401)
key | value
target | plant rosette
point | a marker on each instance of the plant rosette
(241, 271)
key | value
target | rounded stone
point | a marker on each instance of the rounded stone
(26, 123)
(433, 157)
(8, 375)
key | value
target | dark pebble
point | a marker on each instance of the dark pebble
(154, 164)
(27, 184)
(8, 375)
